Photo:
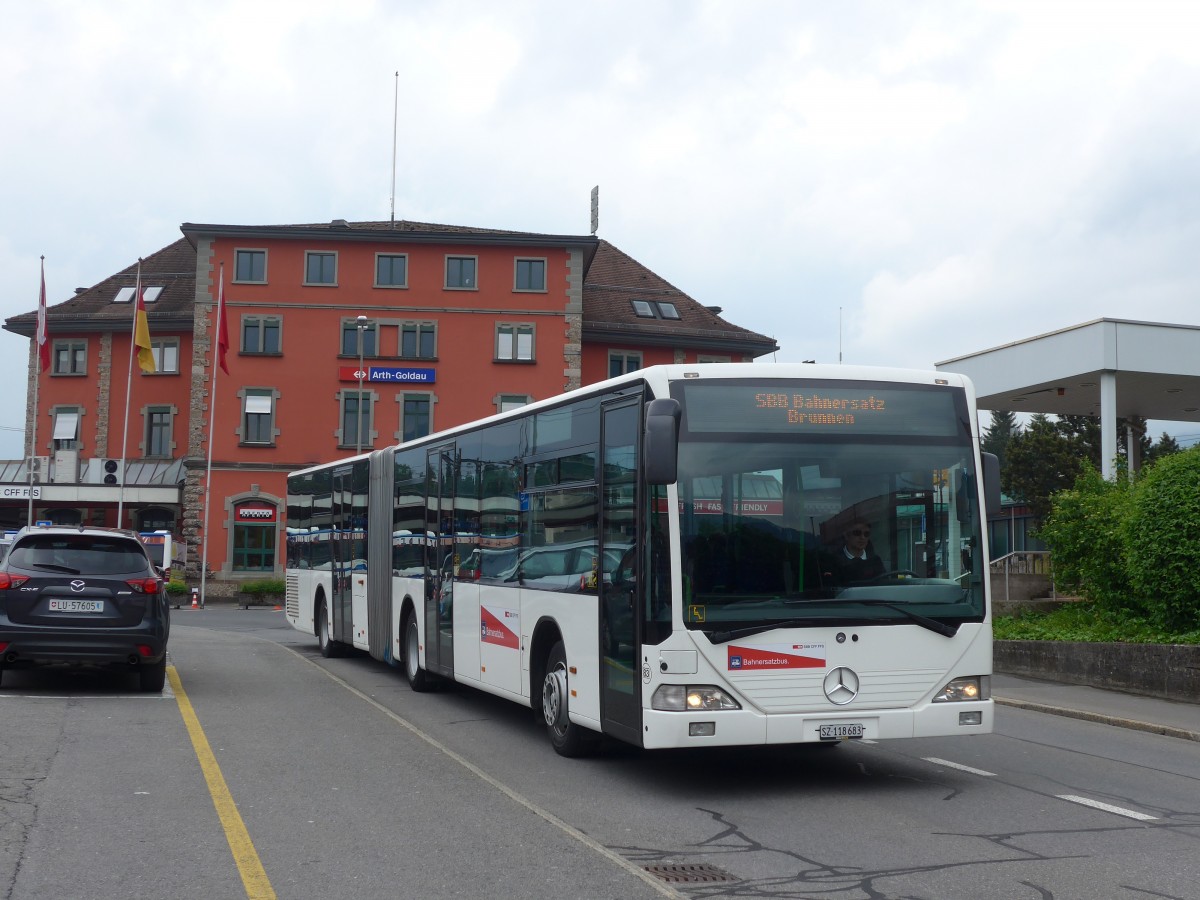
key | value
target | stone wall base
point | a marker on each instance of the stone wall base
(1169, 671)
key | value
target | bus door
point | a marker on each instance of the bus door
(341, 603)
(622, 560)
(441, 477)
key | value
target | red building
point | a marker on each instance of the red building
(450, 324)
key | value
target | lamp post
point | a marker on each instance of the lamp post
(362, 326)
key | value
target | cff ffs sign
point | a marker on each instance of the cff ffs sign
(20, 492)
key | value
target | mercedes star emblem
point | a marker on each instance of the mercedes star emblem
(841, 685)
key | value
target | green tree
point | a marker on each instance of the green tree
(1001, 430)
(1086, 532)
(1165, 446)
(1163, 540)
(1040, 461)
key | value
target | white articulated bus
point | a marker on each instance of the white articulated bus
(685, 556)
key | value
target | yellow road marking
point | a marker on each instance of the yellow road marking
(254, 877)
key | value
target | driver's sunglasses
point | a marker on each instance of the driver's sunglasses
(858, 532)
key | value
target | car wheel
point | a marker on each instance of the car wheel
(418, 679)
(153, 676)
(567, 738)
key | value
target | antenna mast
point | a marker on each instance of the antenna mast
(395, 118)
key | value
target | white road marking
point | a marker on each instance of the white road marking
(1096, 804)
(954, 765)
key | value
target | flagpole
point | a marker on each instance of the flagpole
(212, 410)
(37, 377)
(38, 339)
(137, 292)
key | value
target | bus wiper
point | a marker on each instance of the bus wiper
(924, 621)
(724, 637)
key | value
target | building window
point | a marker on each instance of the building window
(622, 361)
(709, 358)
(320, 268)
(352, 404)
(370, 338)
(166, 355)
(150, 293)
(460, 272)
(70, 358)
(391, 270)
(156, 518)
(415, 416)
(253, 548)
(530, 275)
(250, 266)
(158, 432)
(642, 309)
(418, 340)
(261, 334)
(667, 310)
(505, 402)
(258, 417)
(66, 429)
(514, 343)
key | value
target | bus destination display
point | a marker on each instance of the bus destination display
(766, 408)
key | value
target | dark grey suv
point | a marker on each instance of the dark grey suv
(84, 596)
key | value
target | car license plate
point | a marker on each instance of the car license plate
(77, 606)
(841, 732)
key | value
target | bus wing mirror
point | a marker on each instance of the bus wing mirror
(991, 483)
(660, 447)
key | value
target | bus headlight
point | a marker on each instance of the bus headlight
(682, 698)
(971, 687)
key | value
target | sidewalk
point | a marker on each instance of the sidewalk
(1167, 717)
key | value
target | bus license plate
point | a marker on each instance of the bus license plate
(841, 732)
(77, 606)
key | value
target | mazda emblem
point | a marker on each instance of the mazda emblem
(77, 585)
(841, 685)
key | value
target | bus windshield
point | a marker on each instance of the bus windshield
(842, 503)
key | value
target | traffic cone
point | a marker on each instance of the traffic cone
(195, 598)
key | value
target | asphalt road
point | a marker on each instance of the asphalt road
(345, 781)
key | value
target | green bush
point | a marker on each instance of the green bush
(264, 586)
(1084, 621)
(1162, 540)
(177, 587)
(1086, 532)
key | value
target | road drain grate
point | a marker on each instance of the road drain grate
(688, 873)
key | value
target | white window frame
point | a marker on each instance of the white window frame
(510, 334)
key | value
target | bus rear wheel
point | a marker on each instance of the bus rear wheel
(418, 679)
(567, 738)
(328, 646)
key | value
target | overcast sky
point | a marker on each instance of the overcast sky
(891, 183)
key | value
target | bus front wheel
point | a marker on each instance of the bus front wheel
(418, 679)
(568, 738)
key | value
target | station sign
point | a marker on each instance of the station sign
(388, 374)
(264, 515)
(20, 492)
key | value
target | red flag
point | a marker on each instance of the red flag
(43, 344)
(222, 325)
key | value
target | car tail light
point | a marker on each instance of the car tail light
(144, 585)
(145, 650)
(12, 581)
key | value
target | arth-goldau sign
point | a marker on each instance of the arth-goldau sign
(388, 374)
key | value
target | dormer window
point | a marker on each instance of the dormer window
(667, 310)
(658, 309)
(642, 309)
(149, 294)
